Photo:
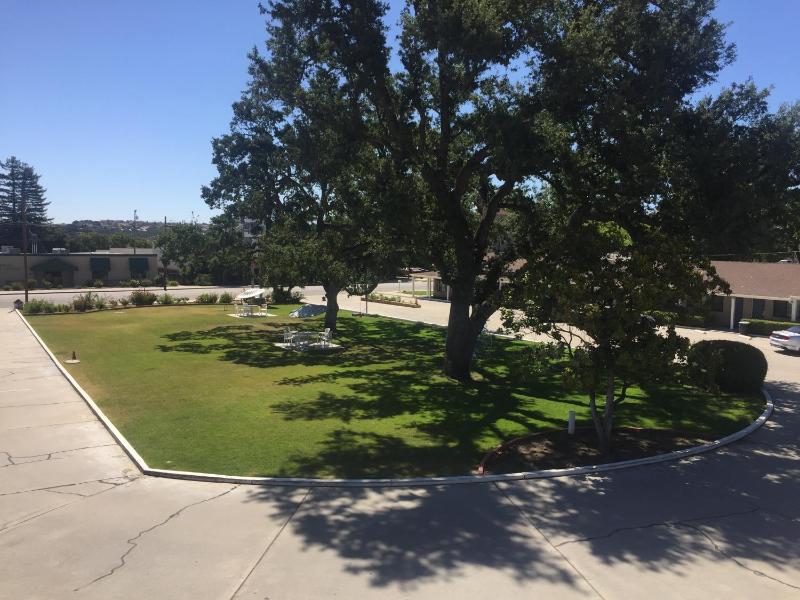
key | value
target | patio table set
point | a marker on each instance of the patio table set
(298, 340)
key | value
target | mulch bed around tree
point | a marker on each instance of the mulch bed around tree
(559, 450)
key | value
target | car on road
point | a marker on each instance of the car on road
(788, 339)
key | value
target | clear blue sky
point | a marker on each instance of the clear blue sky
(115, 102)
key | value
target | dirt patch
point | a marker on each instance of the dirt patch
(559, 450)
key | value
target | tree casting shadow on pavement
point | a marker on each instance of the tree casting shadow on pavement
(736, 506)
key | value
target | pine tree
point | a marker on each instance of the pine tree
(32, 195)
(20, 189)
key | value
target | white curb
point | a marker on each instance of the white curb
(389, 482)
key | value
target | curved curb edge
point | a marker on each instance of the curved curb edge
(388, 482)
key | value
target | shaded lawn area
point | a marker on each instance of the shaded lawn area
(194, 389)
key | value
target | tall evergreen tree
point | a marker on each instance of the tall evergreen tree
(20, 191)
(20, 187)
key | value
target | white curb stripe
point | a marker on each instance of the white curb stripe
(389, 482)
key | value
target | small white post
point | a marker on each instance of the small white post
(733, 312)
(795, 304)
(571, 422)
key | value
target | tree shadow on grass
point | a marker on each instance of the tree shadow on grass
(726, 518)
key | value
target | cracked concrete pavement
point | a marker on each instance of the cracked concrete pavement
(78, 520)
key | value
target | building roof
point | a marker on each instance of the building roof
(760, 280)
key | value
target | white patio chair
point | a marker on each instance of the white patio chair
(325, 337)
(288, 334)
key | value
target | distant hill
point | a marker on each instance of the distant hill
(144, 229)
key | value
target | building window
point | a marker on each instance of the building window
(758, 308)
(717, 303)
(780, 309)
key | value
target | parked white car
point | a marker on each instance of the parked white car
(788, 339)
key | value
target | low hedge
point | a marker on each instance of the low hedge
(765, 327)
(730, 366)
(665, 317)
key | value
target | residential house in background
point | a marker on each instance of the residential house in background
(758, 291)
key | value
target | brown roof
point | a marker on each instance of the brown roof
(767, 280)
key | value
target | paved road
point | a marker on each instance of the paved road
(77, 520)
(62, 297)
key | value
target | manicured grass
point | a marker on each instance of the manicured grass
(194, 389)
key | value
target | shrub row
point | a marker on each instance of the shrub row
(285, 296)
(765, 327)
(664, 317)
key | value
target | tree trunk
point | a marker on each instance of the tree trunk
(603, 424)
(331, 293)
(462, 334)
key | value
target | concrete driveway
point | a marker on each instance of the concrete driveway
(77, 519)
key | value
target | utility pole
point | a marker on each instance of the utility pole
(134, 231)
(163, 260)
(24, 214)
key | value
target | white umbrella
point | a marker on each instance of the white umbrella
(251, 293)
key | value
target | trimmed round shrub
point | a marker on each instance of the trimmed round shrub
(225, 298)
(166, 299)
(730, 366)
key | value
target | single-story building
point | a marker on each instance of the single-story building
(758, 291)
(76, 269)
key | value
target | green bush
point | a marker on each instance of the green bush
(133, 283)
(113, 303)
(172, 283)
(727, 365)
(765, 327)
(100, 302)
(47, 284)
(145, 283)
(665, 317)
(692, 320)
(32, 284)
(37, 306)
(84, 302)
(142, 298)
(97, 283)
(123, 302)
(202, 279)
(206, 299)
(7, 287)
(166, 299)
(225, 298)
(17, 286)
(286, 296)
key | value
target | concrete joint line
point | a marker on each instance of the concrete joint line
(33, 516)
(555, 547)
(134, 541)
(392, 482)
(736, 561)
(269, 546)
(47, 456)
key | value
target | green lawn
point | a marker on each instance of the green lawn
(193, 389)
